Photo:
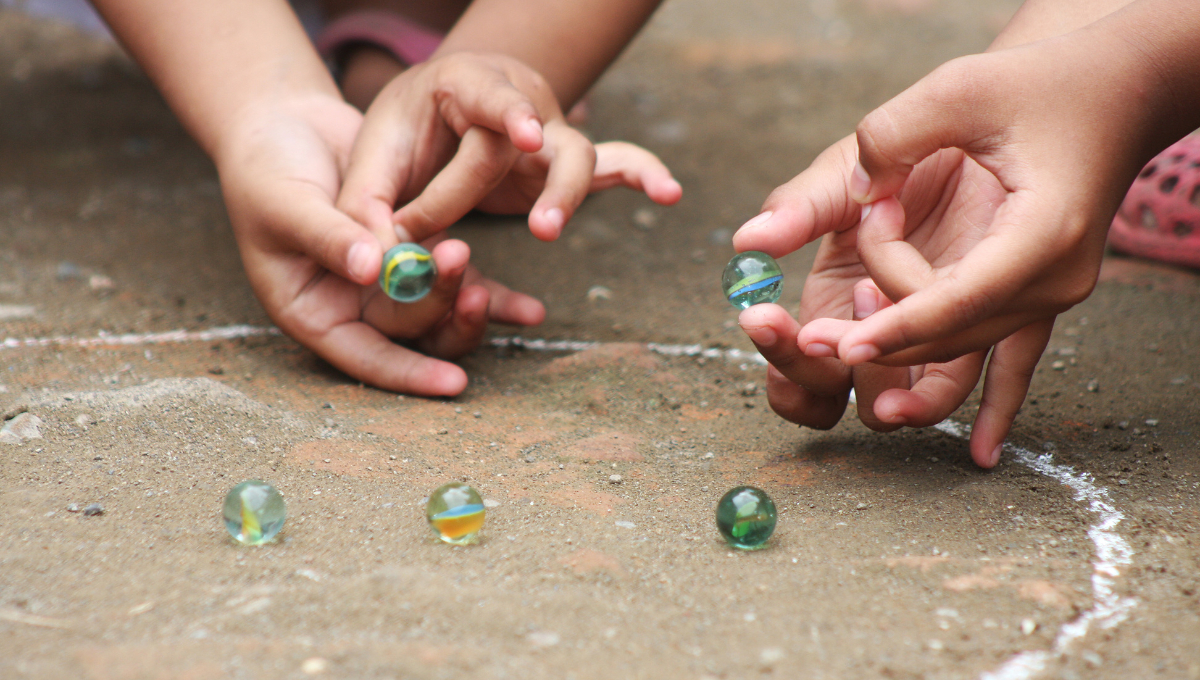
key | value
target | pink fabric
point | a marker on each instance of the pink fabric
(410, 42)
(1160, 217)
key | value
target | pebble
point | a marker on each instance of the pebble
(770, 656)
(93, 510)
(73, 507)
(100, 282)
(599, 293)
(489, 503)
(720, 237)
(543, 638)
(1152, 422)
(67, 270)
(615, 479)
(14, 312)
(314, 666)
(1058, 365)
(21, 428)
(1028, 626)
(1093, 386)
(626, 525)
(749, 389)
(644, 218)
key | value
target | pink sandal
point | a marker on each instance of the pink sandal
(1160, 216)
(408, 41)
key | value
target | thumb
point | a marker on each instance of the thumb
(952, 107)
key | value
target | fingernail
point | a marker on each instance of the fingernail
(861, 354)
(757, 220)
(865, 303)
(895, 419)
(860, 184)
(995, 457)
(358, 261)
(866, 211)
(534, 127)
(818, 349)
(763, 336)
(402, 233)
(555, 217)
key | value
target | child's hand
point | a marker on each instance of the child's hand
(472, 131)
(944, 208)
(315, 270)
(1064, 149)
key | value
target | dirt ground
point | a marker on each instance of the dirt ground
(894, 557)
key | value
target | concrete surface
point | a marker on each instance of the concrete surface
(894, 558)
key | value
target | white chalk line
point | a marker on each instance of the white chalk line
(103, 339)
(1112, 551)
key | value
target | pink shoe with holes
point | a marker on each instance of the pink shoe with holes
(1160, 216)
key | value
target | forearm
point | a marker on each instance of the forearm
(1039, 19)
(569, 43)
(214, 59)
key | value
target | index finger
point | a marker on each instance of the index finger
(483, 159)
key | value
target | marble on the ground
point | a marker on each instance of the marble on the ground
(893, 555)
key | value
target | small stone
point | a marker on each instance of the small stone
(1092, 659)
(935, 645)
(67, 270)
(1058, 365)
(21, 428)
(14, 312)
(749, 389)
(1124, 424)
(625, 525)
(1181, 380)
(93, 510)
(615, 479)
(599, 293)
(861, 506)
(477, 414)
(100, 282)
(314, 666)
(720, 237)
(1028, 626)
(1152, 422)
(770, 656)
(73, 507)
(1093, 386)
(489, 503)
(644, 218)
(543, 638)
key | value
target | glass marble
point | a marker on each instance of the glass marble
(746, 517)
(455, 512)
(254, 512)
(407, 273)
(752, 278)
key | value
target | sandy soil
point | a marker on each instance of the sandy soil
(894, 556)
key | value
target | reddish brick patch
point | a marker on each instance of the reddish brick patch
(598, 502)
(345, 458)
(610, 445)
(604, 356)
(694, 413)
(1043, 592)
(586, 560)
